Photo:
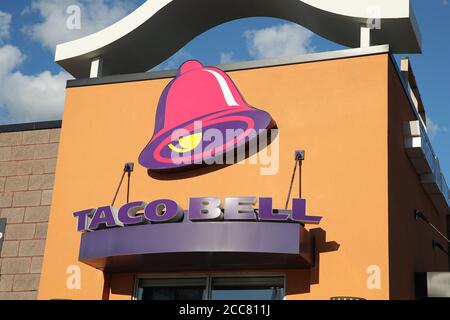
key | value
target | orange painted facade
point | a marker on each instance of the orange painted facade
(346, 113)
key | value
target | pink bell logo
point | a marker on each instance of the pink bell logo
(197, 100)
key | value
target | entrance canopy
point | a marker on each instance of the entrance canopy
(159, 28)
(190, 246)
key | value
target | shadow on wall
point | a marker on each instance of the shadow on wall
(300, 281)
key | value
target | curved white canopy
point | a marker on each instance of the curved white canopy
(159, 28)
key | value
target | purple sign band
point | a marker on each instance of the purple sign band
(198, 246)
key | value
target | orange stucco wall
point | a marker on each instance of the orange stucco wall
(335, 110)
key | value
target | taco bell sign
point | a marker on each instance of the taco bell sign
(200, 210)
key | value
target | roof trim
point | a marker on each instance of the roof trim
(31, 126)
(236, 66)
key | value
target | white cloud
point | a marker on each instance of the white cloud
(29, 98)
(95, 15)
(226, 57)
(5, 24)
(279, 41)
(10, 58)
(434, 128)
(444, 2)
(41, 96)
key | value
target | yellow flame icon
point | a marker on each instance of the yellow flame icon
(187, 143)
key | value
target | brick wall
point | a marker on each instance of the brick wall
(27, 167)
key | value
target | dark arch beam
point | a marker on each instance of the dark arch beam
(159, 28)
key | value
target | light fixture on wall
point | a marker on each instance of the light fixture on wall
(2, 231)
(420, 215)
(299, 157)
(128, 169)
(439, 246)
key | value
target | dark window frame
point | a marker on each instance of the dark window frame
(207, 279)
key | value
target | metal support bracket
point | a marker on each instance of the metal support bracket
(2, 232)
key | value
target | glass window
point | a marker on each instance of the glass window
(212, 287)
(247, 288)
(173, 289)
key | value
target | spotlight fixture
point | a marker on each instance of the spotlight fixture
(299, 157)
(129, 167)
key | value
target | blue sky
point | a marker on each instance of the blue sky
(29, 29)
